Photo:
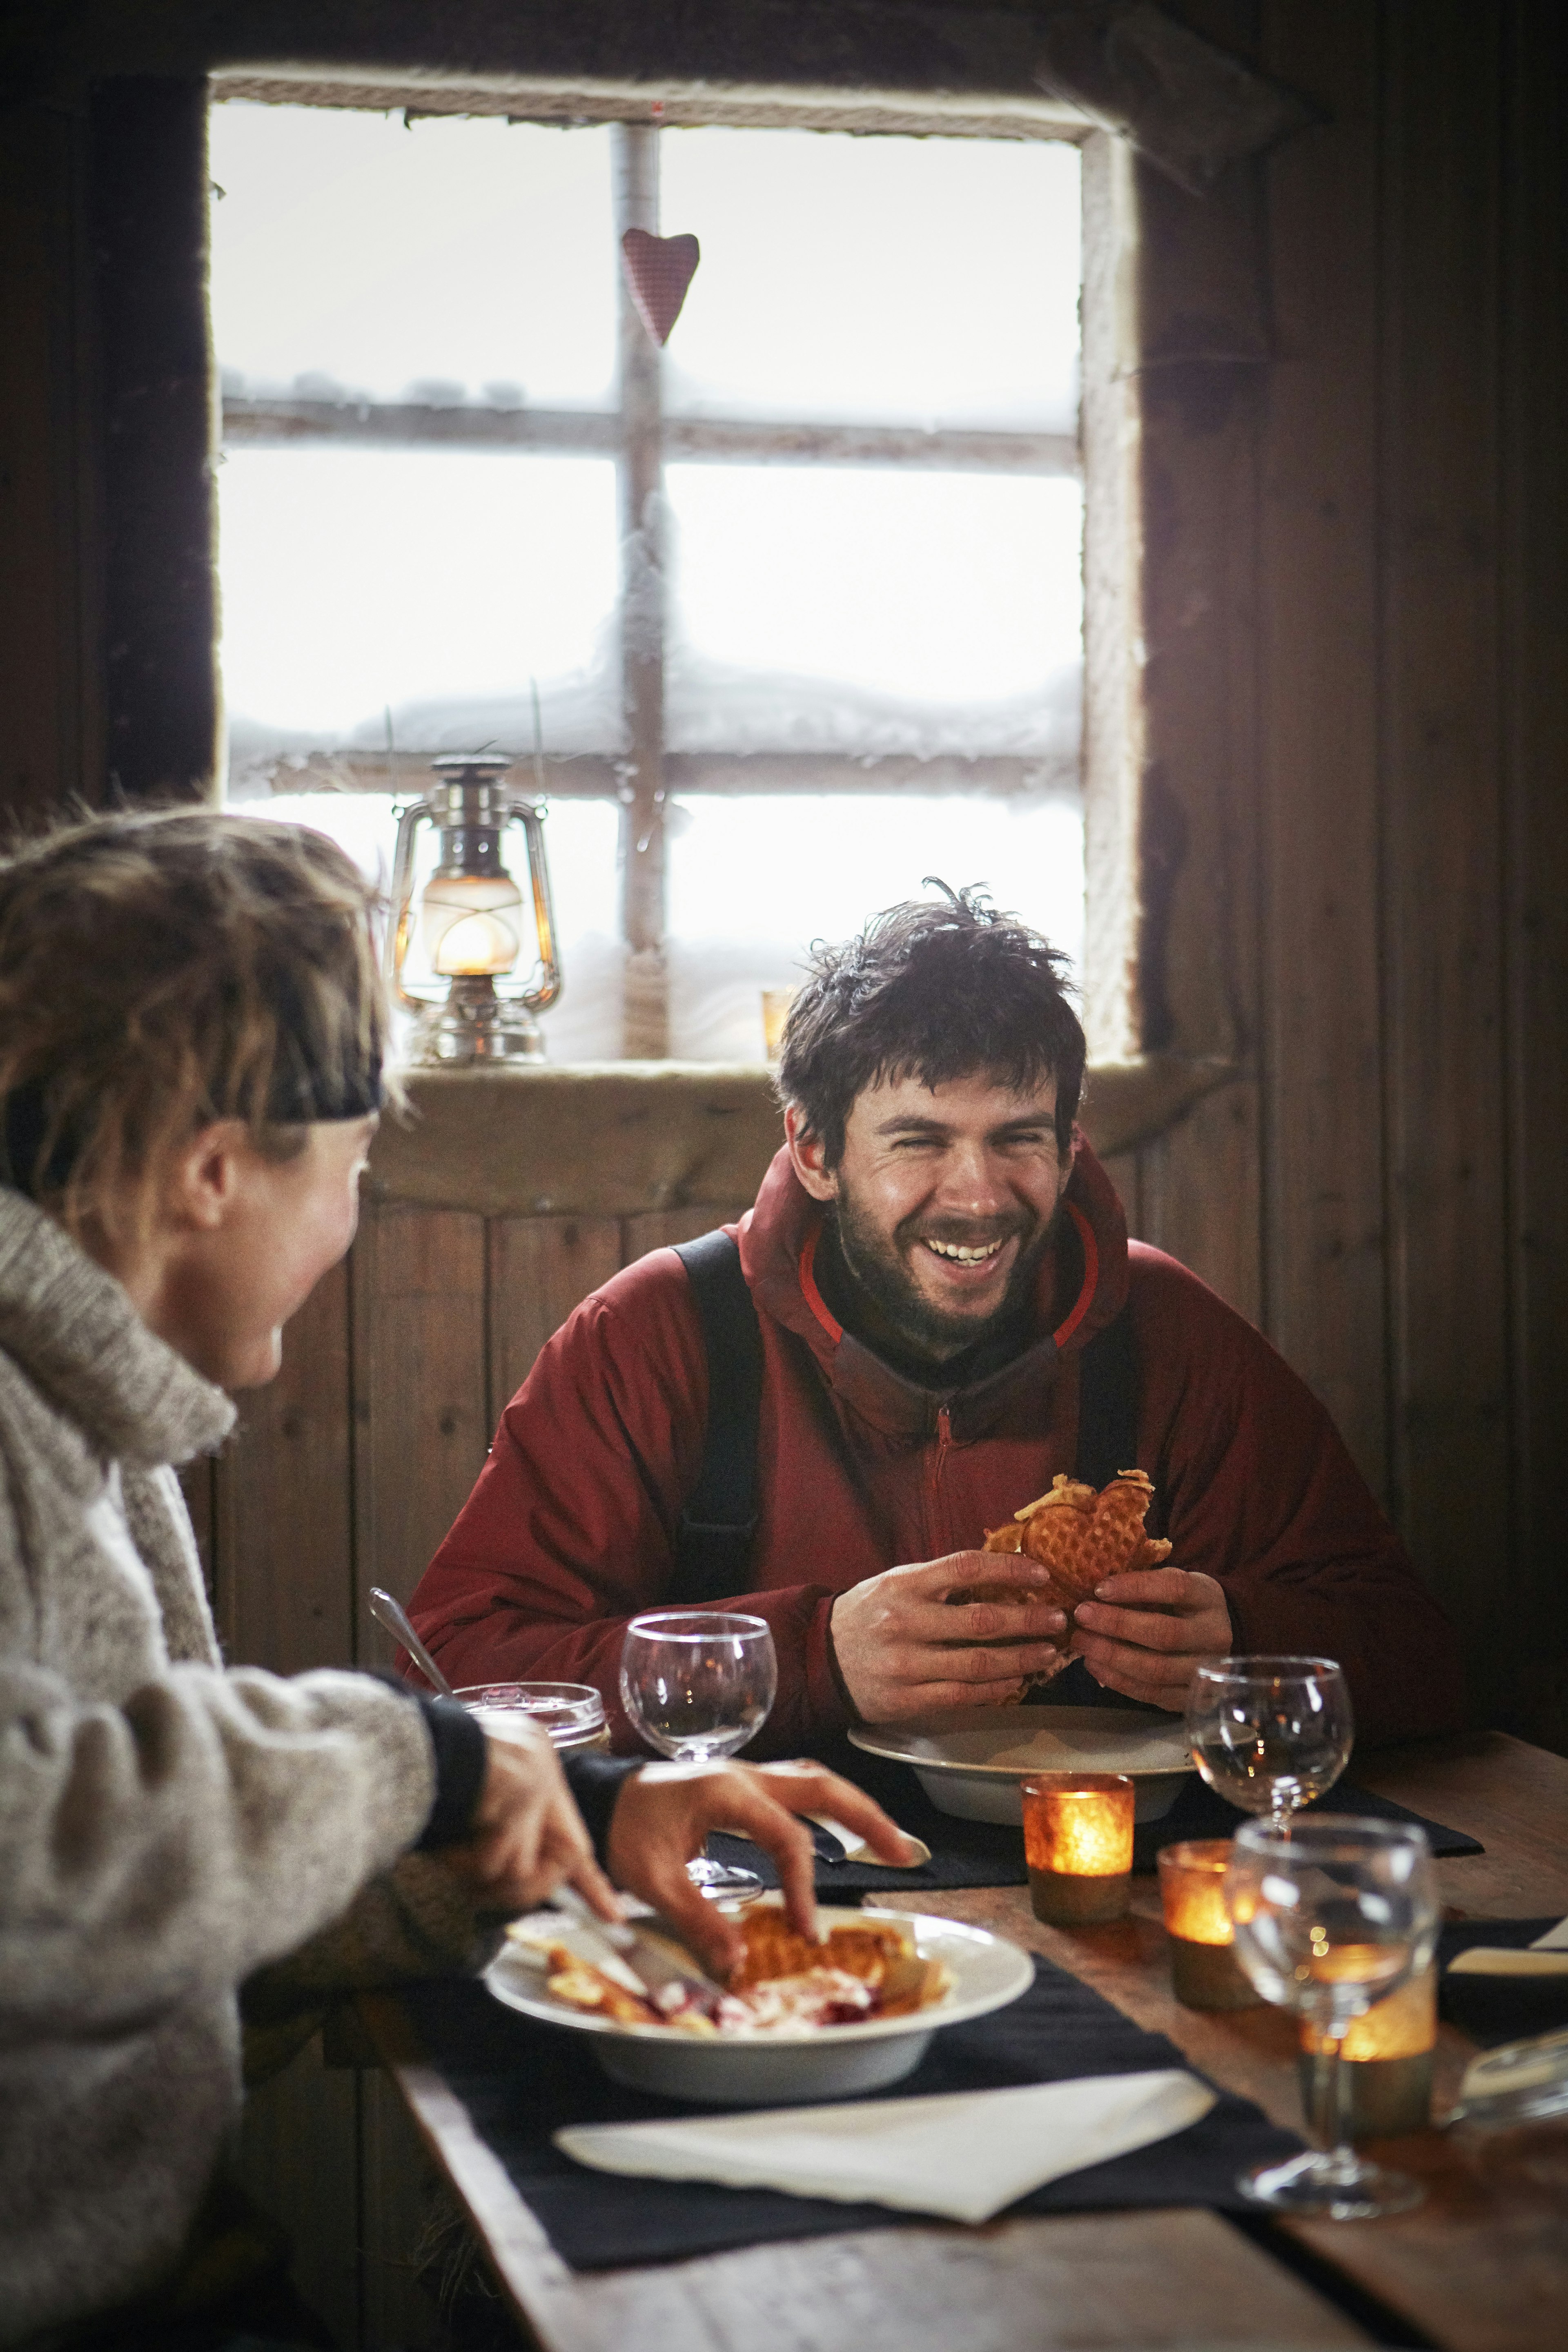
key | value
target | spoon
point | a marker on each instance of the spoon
(391, 1613)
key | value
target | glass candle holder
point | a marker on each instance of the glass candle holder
(1204, 1972)
(1385, 2063)
(1077, 1842)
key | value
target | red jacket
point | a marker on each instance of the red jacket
(569, 1530)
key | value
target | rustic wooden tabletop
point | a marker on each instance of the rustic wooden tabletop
(1481, 2267)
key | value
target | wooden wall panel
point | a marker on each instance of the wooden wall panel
(1198, 1195)
(1533, 1595)
(540, 1268)
(299, 2159)
(399, 2198)
(50, 484)
(1327, 1260)
(421, 1419)
(285, 1582)
(1441, 760)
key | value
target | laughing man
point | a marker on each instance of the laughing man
(931, 1309)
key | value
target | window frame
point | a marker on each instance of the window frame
(641, 436)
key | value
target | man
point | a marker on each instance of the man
(934, 1258)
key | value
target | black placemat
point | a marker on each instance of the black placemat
(987, 1854)
(521, 2080)
(1499, 2009)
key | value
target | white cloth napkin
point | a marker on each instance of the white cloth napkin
(963, 2155)
(1547, 1957)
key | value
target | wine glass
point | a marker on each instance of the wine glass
(1269, 1734)
(1331, 1917)
(698, 1683)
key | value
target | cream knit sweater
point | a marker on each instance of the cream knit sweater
(166, 1827)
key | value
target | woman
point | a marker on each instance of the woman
(190, 1038)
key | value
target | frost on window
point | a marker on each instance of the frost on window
(872, 671)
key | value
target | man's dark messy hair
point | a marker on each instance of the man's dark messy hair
(936, 990)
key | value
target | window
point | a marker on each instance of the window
(800, 600)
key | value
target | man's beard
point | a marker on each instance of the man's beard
(878, 1268)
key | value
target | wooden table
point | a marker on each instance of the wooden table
(1481, 2267)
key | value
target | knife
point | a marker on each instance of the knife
(658, 1961)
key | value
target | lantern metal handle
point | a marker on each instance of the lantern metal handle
(394, 947)
(539, 999)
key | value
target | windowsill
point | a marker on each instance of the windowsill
(615, 1139)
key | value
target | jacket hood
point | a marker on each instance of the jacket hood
(1080, 1287)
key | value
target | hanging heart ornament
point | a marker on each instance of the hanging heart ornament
(658, 271)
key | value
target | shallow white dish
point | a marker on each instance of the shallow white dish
(970, 1762)
(834, 2062)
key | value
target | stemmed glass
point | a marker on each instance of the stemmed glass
(698, 1683)
(1269, 1734)
(1331, 1917)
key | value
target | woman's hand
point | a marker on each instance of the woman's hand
(664, 1813)
(527, 1836)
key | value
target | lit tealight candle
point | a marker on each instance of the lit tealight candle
(1204, 1973)
(1385, 2059)
(1077, 1842)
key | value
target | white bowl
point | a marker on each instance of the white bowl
(778, 2070)
(971, 1761)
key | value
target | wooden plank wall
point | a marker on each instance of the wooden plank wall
(1410, 532)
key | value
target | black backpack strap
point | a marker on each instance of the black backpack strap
(713, 1541)
(1108, 1405)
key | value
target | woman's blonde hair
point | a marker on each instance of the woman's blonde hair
(161, 972)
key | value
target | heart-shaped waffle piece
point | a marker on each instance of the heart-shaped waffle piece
(1081, 1537)
(658, 271)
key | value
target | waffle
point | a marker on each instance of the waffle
(773, 1949)
(1081, 1537)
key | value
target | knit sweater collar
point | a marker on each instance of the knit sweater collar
(73, 1330)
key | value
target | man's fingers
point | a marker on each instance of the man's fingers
(1137, 1627)
(961, 1567)
(1028, 1619)
(1133, 1687)
(1171, 1588)
(1104, 1659)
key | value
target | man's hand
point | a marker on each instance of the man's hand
(527, 1834)
(903, 1650)
(1128, 1647)
(664, 1813)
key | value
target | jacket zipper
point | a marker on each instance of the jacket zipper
(938, 1531)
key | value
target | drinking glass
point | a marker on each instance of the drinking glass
(1330, 1916)
(1269, 1734)
(698, 1683)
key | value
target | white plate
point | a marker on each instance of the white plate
(832, 2063)
(970, 1762)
